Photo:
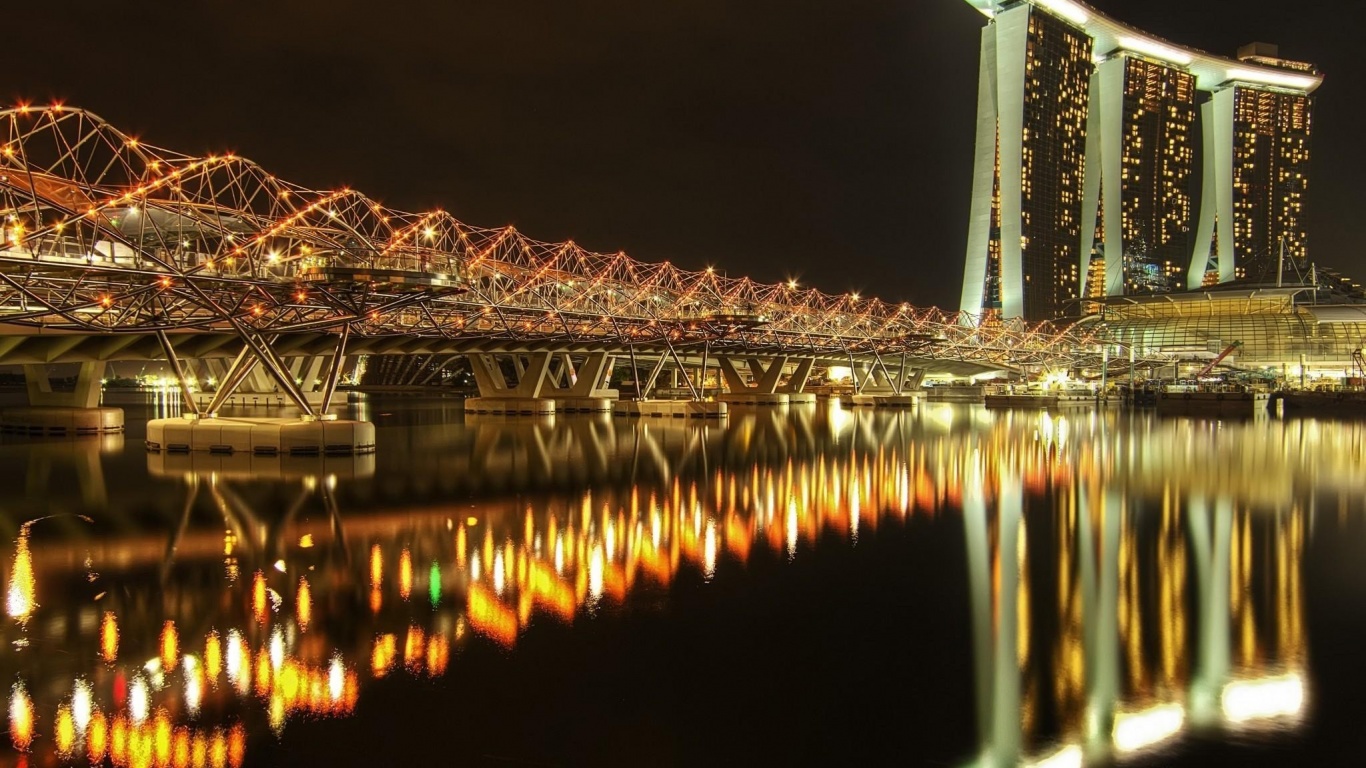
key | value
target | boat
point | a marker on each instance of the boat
(1212, 399)
(957, 392)
(1040, 396)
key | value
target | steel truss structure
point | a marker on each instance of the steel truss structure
(106, 235)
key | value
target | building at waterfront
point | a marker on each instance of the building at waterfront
(1104, 127)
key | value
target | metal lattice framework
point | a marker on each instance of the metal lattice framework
(104, 233)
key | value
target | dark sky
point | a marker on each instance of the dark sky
(825, 139)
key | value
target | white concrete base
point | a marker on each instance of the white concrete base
(293, 437)
(753, 398)
(60, 420)
(511, 406)
(884, 401)
(261, 466)
(801, 398)
(583, 404)
(678, 409)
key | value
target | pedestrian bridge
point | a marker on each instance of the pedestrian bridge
(114, 249)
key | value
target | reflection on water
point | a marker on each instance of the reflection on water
(1129, 579)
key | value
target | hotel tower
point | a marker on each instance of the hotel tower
(1102, 125)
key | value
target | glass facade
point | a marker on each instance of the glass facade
(1276, 332)
(1057, 78)
(1157, 159)
(1270, 178)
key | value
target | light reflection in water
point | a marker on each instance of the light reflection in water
(1105, 529)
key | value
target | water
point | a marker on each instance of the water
(949, 586)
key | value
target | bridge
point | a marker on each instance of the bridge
(114, 249)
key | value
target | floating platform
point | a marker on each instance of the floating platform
(883, 401)
(677, 409)
(266, 436)
(510, 406)
(955, 393)
(60, 421)
(1040, 400)
(1213, 403)
(584, 404)
(753, 398)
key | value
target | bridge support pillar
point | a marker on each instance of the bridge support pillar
(497, 396)
(877, 385)
(582, 389)
(766, 388)
(77, 412)
(314, 432)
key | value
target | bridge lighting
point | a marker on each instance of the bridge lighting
(274, 256)
(132, 142)
(854, 295)
(792, 285)
(430, 233)
(106, 301)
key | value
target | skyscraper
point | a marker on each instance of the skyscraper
(1024, 236)
(1257, 169)
(1097, 122)
(1139, 160)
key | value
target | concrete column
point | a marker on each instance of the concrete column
(488, 376)
(983, 178)
(89, 379)
(797, 381)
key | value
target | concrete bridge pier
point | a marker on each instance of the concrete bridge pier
(314, 432)
(877, 385)
(582, 389)
(497, 396)
(768, 386)
(49, 412)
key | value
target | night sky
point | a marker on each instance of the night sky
(829, 140)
